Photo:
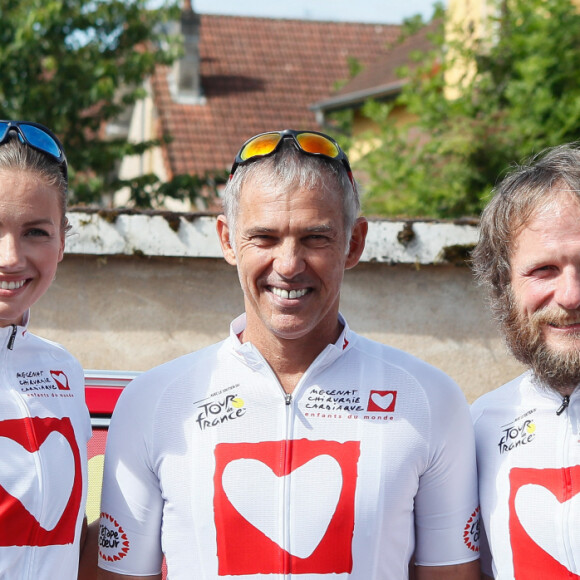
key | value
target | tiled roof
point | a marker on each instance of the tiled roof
(257, 75)
(382, 77)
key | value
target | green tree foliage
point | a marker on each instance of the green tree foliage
(75, 65)
(148, 191)
(521, 94)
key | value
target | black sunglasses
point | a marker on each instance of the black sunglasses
(38, 137)
(309, 142)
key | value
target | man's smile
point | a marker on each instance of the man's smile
(288, 294)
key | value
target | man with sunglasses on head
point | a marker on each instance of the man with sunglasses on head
(528, 430)
(295, 447)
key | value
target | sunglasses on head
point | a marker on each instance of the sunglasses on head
(309, 142)
(38, 137)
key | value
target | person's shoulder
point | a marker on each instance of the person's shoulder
(430, 377)
(169, 383)
(391, 355)
(52, 348)
(499, 399)
(155, 381)
(501, 393)
(53, 351)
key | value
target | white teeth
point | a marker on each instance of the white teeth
(292, 294)
(11, 285)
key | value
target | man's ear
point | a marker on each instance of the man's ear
(357, 242)
(223, 232)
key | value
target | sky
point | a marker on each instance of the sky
(380, 11)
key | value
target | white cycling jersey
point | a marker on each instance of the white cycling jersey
(44, 430)
(529, 481)
(370, 460)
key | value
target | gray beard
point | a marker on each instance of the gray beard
(556, 369)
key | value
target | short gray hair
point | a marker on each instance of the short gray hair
(289, 168)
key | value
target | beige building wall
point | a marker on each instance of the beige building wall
(468, 24)
(133, 311)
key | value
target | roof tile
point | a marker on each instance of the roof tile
(259, 74)
(384, 71)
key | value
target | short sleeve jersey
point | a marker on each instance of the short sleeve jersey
(369, 461)
(528, 454)
(44, 430)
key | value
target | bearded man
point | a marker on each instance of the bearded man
(528, 430)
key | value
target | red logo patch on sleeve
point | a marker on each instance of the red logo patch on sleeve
(113, 541)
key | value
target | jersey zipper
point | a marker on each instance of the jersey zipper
(564, 405)
(286, 451)
(12, 338)
(286, 500)
(566, 524)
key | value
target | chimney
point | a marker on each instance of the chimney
(188, 78)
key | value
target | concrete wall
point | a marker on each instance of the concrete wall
(116, 306)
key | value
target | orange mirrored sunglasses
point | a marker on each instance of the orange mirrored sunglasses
(309, 142)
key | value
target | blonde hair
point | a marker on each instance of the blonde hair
(17, 155)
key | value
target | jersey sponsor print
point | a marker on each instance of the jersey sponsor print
(24, 445)
(61, 380)
(472, 529)
(252, 486)
(113, 541)
(382, 401)
(251, 539)
(541, 502)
